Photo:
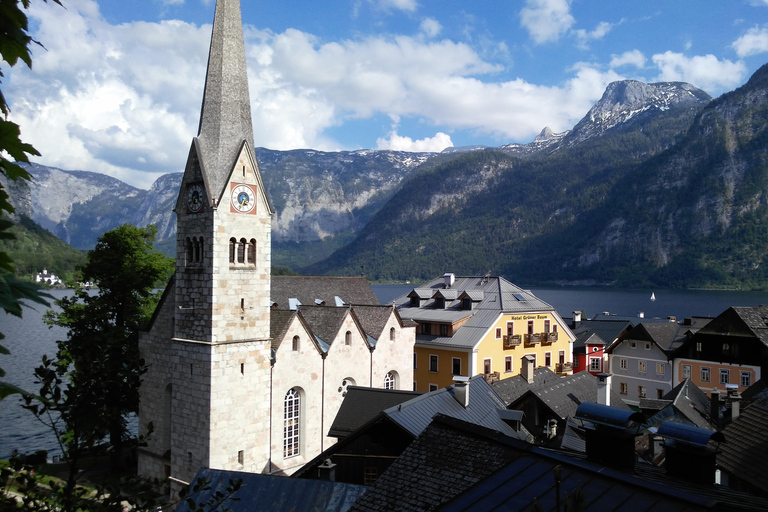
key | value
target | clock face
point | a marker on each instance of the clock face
(243, 199)
(195, 198)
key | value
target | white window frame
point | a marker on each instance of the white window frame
(508, 364)
(292, 424)
(595, 364)
(623, 363)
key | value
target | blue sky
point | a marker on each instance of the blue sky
(118, 87)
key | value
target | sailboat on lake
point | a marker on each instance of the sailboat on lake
(653, 296)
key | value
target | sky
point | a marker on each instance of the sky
(116, 86)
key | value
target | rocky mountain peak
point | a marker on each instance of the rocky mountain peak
(623, 100)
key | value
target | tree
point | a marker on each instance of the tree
(14, 45)
(100, 359)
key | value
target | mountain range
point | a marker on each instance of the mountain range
(658, 185)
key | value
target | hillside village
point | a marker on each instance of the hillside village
(468, 392)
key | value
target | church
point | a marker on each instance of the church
(247, 371)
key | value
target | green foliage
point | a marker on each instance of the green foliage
(99, 360)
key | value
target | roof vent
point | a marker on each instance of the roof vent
(293, 304)
(339, 302)
(319, 302)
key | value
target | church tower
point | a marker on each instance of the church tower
(220, 353)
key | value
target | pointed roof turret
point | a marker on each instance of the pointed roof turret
(225, 118)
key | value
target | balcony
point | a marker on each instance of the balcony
(532, 339)
(512, 341)
(548, 337)
(564, 367)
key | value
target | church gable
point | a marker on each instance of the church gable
(244, 192)
(194, 193)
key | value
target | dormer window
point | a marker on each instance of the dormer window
(466, 303)
(415, 301)
(439, 303)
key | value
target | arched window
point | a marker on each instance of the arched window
(389, 381)
(241, 251)
(392, 333)
(252, 252)
(232, 248)
(188, 250)
(201, 253)
(348, 338)
(296, 342)
(292, 423)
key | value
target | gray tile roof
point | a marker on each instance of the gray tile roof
(563, 396)
(756, 319)
(373, 319)
(685, 402)
(361, 405)
(279, 320)
(324, 322)
(514, 387)
(352, 290)
(442, 462)
(497, 295)
(745, 452)
(272, 493)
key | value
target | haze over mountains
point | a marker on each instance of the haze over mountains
(657, 185)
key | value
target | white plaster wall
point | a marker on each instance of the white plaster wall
(394, 355)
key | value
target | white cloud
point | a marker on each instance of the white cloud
(125, 99)
(546, 20)
(755, 41)
(704, 71)
(630, 58)
(430, 27)
(403, 5)
(396, 142)
(599, 32)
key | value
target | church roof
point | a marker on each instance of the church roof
(373, 318)
(324, 322)
(225, 118)
(309, 289)
(362, 405)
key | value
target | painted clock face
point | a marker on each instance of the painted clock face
(243, 198)
(195, 198)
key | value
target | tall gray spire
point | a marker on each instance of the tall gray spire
(225, 119)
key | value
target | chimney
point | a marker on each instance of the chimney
(461, 390)
(609, 434)
(734, 398)
(687, 451)
(327, 471)
(526, 369)
(640, 314)
(714, 409)
(449, 279)
(576, 319)
(604, 388)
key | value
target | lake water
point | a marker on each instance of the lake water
(28, 338)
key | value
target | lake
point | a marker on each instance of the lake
(28, 338)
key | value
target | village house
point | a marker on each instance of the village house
(467, 326)
(730, 352)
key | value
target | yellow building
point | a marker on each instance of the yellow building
(481, 325)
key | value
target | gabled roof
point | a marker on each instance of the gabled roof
(352, 290)
(323, 322)
(686, 402)
(740, 321)
(373, 318)
(273, 493)
(668, 336)
(599, 332)
(745, 452)
(360, 405)
(279, 321)
(514, 387)
(563, 396)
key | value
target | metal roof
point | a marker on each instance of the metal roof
(416, 414)
(272, 493)
(606, 415)
(688, 434)
(496, 296)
